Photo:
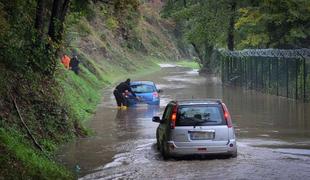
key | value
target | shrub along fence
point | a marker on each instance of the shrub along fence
(280, 72)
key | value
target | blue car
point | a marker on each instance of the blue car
(146, 92)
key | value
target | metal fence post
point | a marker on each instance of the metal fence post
(277, 67)
(229, 69)
(305, 76)
(296, 78)
(262, 69)
(269, 74)
(256, 69)
(251, 72)
(245, 72)
(221, 66)
(287, 74)
(240, 71)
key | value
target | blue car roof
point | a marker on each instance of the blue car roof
(142, 82)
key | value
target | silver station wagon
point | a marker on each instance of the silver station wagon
(190, 127)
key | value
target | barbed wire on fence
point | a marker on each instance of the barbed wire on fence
(278, 53)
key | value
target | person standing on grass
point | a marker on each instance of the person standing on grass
(65, 60)
(74, 64)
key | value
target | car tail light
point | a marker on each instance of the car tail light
(155, 94)
(173, 117)
(227, 116)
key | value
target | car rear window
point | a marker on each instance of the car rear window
(200, 115)
(142, 88)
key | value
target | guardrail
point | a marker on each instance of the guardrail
(275, 71)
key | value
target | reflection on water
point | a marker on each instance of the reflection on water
(138, 112)
(255, 116)
(111, 126)
(260, 115)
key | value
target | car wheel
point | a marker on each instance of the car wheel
(157, 143)
(234, 155)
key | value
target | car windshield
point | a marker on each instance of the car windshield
(200, 115)
(143, 88)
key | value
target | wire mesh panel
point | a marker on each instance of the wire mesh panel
(306, 80)
(282, 75)
(274, 71)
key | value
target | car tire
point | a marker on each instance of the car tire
(157, 143)
(234, 154)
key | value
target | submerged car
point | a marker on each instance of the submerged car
(191, 127)
(146, 93)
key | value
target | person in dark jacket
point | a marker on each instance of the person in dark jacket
(120, 93)
(74, 64)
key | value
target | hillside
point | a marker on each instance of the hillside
(111, 45)
(111, 48)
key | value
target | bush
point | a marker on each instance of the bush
(84, 28)
(111, 23)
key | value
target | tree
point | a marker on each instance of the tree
(231, 27)
(271, 24)
(56, 27)
(26, 45)
(204, 24)
(39, 21)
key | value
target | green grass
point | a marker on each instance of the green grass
(184, 62)
(188, 63)
(81, 92)
(32, 164)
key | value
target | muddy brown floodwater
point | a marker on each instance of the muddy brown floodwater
(273, 135)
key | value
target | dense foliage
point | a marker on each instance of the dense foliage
(274, 24)
(241, 24)
(203, 24)
(32, 31)
(53, 102)
(28, 43)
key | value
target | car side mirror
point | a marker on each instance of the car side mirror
(159, 91)
(156, 119)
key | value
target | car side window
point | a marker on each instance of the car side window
(167, 113)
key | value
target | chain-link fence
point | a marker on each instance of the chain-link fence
(280, 72)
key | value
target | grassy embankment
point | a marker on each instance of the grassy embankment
(188, 63)
(55, 109)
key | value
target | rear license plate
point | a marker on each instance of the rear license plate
(201, 135)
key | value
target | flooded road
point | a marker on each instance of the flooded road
(273, 136)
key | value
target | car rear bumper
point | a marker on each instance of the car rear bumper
(188, 148)
(133, 102)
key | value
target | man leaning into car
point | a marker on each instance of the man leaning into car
(120, 94)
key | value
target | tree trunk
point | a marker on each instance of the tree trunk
(62, 18)
(200, 56)
(56, 26)
(231, 28)
(39, 23)
(184, 3)
(54, 22)
(59, 12)
(208, 54)
(64, 10)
